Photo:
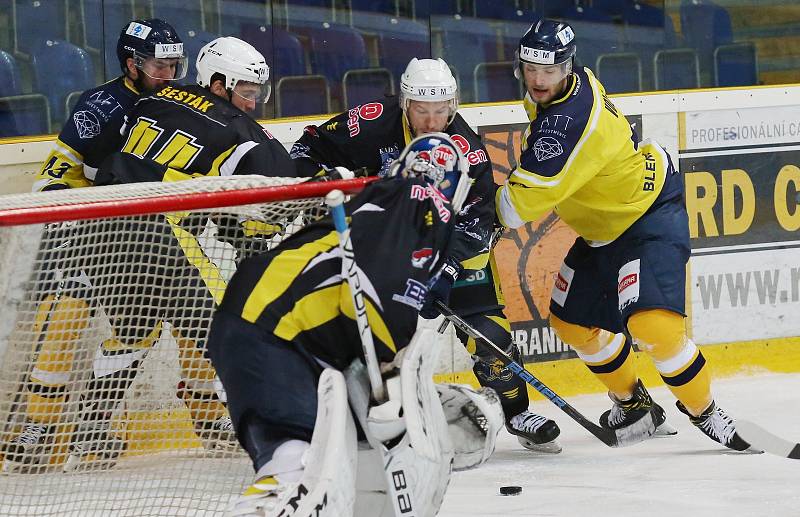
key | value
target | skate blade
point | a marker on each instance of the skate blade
(72, 463)
(665, 430)
(10, 467)
(552, 447)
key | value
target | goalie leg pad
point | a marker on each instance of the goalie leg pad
(416, 466)
(327, 485)
(474, 419)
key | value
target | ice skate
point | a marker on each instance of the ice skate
(26, 448)
(717, 425)
(258, 500)
(217, 435)
(627, 412)
(535, 432)
(94, 445)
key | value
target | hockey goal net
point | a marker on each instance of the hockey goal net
(107, 403)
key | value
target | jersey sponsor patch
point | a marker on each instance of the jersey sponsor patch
(388, 156)
(473, 157)
(628, 283)
(86, 124)
(137, 30)
(369, 111)
(562, 284)
(421, 257)
(547, 147)
(104, 100)
(421, 193)
(414, 294)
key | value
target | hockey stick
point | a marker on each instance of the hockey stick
(335, 200)
(634, 433)
(760, 438)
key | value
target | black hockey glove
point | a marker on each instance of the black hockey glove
(439, 288)
(340, 173)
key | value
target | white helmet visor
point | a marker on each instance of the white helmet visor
(253, 92)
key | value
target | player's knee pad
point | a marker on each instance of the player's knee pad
(474, 418)
(496, 329)
(658, 332)
(584, 340)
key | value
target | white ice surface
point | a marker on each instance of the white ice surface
(678, 476)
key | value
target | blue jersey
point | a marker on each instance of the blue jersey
(91, 133)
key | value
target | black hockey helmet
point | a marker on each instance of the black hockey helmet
(141, 39)
(546, 42)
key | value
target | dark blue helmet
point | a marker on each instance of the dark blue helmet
(141, 39)
(547, 42)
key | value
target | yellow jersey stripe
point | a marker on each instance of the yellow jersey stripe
(281, 272)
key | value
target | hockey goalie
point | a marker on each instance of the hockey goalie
(303, 398)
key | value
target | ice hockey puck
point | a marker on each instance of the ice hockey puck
(510, 490)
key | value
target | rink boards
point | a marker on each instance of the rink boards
(739, 151)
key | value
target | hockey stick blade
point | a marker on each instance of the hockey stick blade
(635, 433)
(760, 438)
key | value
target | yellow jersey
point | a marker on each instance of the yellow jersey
(580, 158)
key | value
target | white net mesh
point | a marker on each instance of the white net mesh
(107, 403)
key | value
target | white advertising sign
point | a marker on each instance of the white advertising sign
(745, 296)
(749, 126)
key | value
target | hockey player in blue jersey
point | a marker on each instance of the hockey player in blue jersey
(627, 269)
(150, 55)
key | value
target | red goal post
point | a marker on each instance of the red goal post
(107, 403)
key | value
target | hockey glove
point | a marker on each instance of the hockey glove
(439, 288)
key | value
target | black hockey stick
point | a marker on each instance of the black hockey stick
(629, 435)
(760, 438)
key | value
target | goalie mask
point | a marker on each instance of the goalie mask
(440, 161)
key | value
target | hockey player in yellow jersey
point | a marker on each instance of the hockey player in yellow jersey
(626, 270)
(222, 140)
(150, 54)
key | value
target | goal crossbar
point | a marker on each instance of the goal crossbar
(37, 208)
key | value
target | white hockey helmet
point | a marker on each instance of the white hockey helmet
(429, 80)
(237, 61)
